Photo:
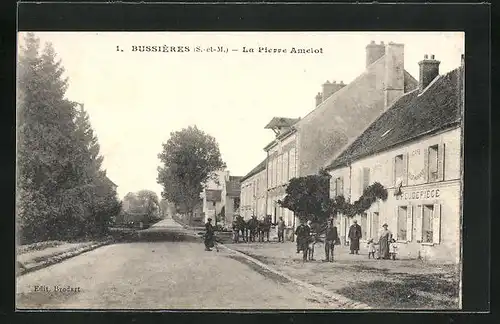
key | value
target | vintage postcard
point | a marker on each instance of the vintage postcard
(239, 170)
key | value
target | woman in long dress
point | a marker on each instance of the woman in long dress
(384, 242)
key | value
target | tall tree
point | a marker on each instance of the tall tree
(61, 191)
(149, 202)
(47, 166)
(190, 158)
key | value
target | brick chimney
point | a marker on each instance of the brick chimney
(429, 70)
(374, 52)
(330, 88)
(394, 73)
(319, 99)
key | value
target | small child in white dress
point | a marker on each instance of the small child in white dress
(371, 249)
(393, 248)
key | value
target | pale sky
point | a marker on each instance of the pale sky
(135, 99)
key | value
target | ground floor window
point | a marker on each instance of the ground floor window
(427, 220)
(402, 223)
(363, 224)
(375, 225)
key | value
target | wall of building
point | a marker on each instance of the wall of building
(281, 166)
(418, 191)
(253, 195)
(344, 115)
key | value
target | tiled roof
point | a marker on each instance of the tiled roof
(281, 122)
(409, 117)
(257, 169)
(233, 186)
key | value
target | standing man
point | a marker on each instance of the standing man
(209, 235)
(281, 230)
(303, 231)
(354, 236)
(330, 239)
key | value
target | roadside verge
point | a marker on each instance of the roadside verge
(23, 269)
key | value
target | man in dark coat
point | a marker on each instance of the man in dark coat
(209, 235)
(281, 230)
(354, 236)
(331, 238)
(303, 232)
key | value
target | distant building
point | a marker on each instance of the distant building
(232, 191)
(221, 198)
(414, 150)
(343, 111)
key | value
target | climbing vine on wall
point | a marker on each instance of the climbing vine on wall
(370, 195)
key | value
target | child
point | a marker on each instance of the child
(371, 249)
(392, 249)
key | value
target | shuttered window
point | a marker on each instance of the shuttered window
(402, 215)
(285, 167)
(364, 227)
(433, 163)
(339, 186)
(398, 169)
(427, 223)
(366, 178)
(374, 226)
(293, 171)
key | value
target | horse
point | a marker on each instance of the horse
(252, 228)
(264, 227)
(241, 227)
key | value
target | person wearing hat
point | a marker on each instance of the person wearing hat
(302, 232)
(384, 241)
(209, 235)
(354, 236)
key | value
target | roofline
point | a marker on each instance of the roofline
(323, 103)
(446, 127)
(347, 145)
(254, 171)
(283, 136)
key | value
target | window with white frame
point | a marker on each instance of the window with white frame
(374, 224)
(279, 169)
(402, 223)
(285, 167)
(366, 178)
(427, 223)
(398, 168)
(292, 164)
(339, 186)
(364, 218)
(433, 163)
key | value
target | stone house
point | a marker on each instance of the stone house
(414, 149)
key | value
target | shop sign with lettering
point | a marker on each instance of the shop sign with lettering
(419, 194)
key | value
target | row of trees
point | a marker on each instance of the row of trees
(62, 190)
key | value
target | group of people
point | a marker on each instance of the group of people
(308, 235)
(385, 247)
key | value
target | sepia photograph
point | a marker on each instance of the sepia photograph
(239, 170)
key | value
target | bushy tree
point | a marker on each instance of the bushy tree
(308, 197)
(190, 158)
